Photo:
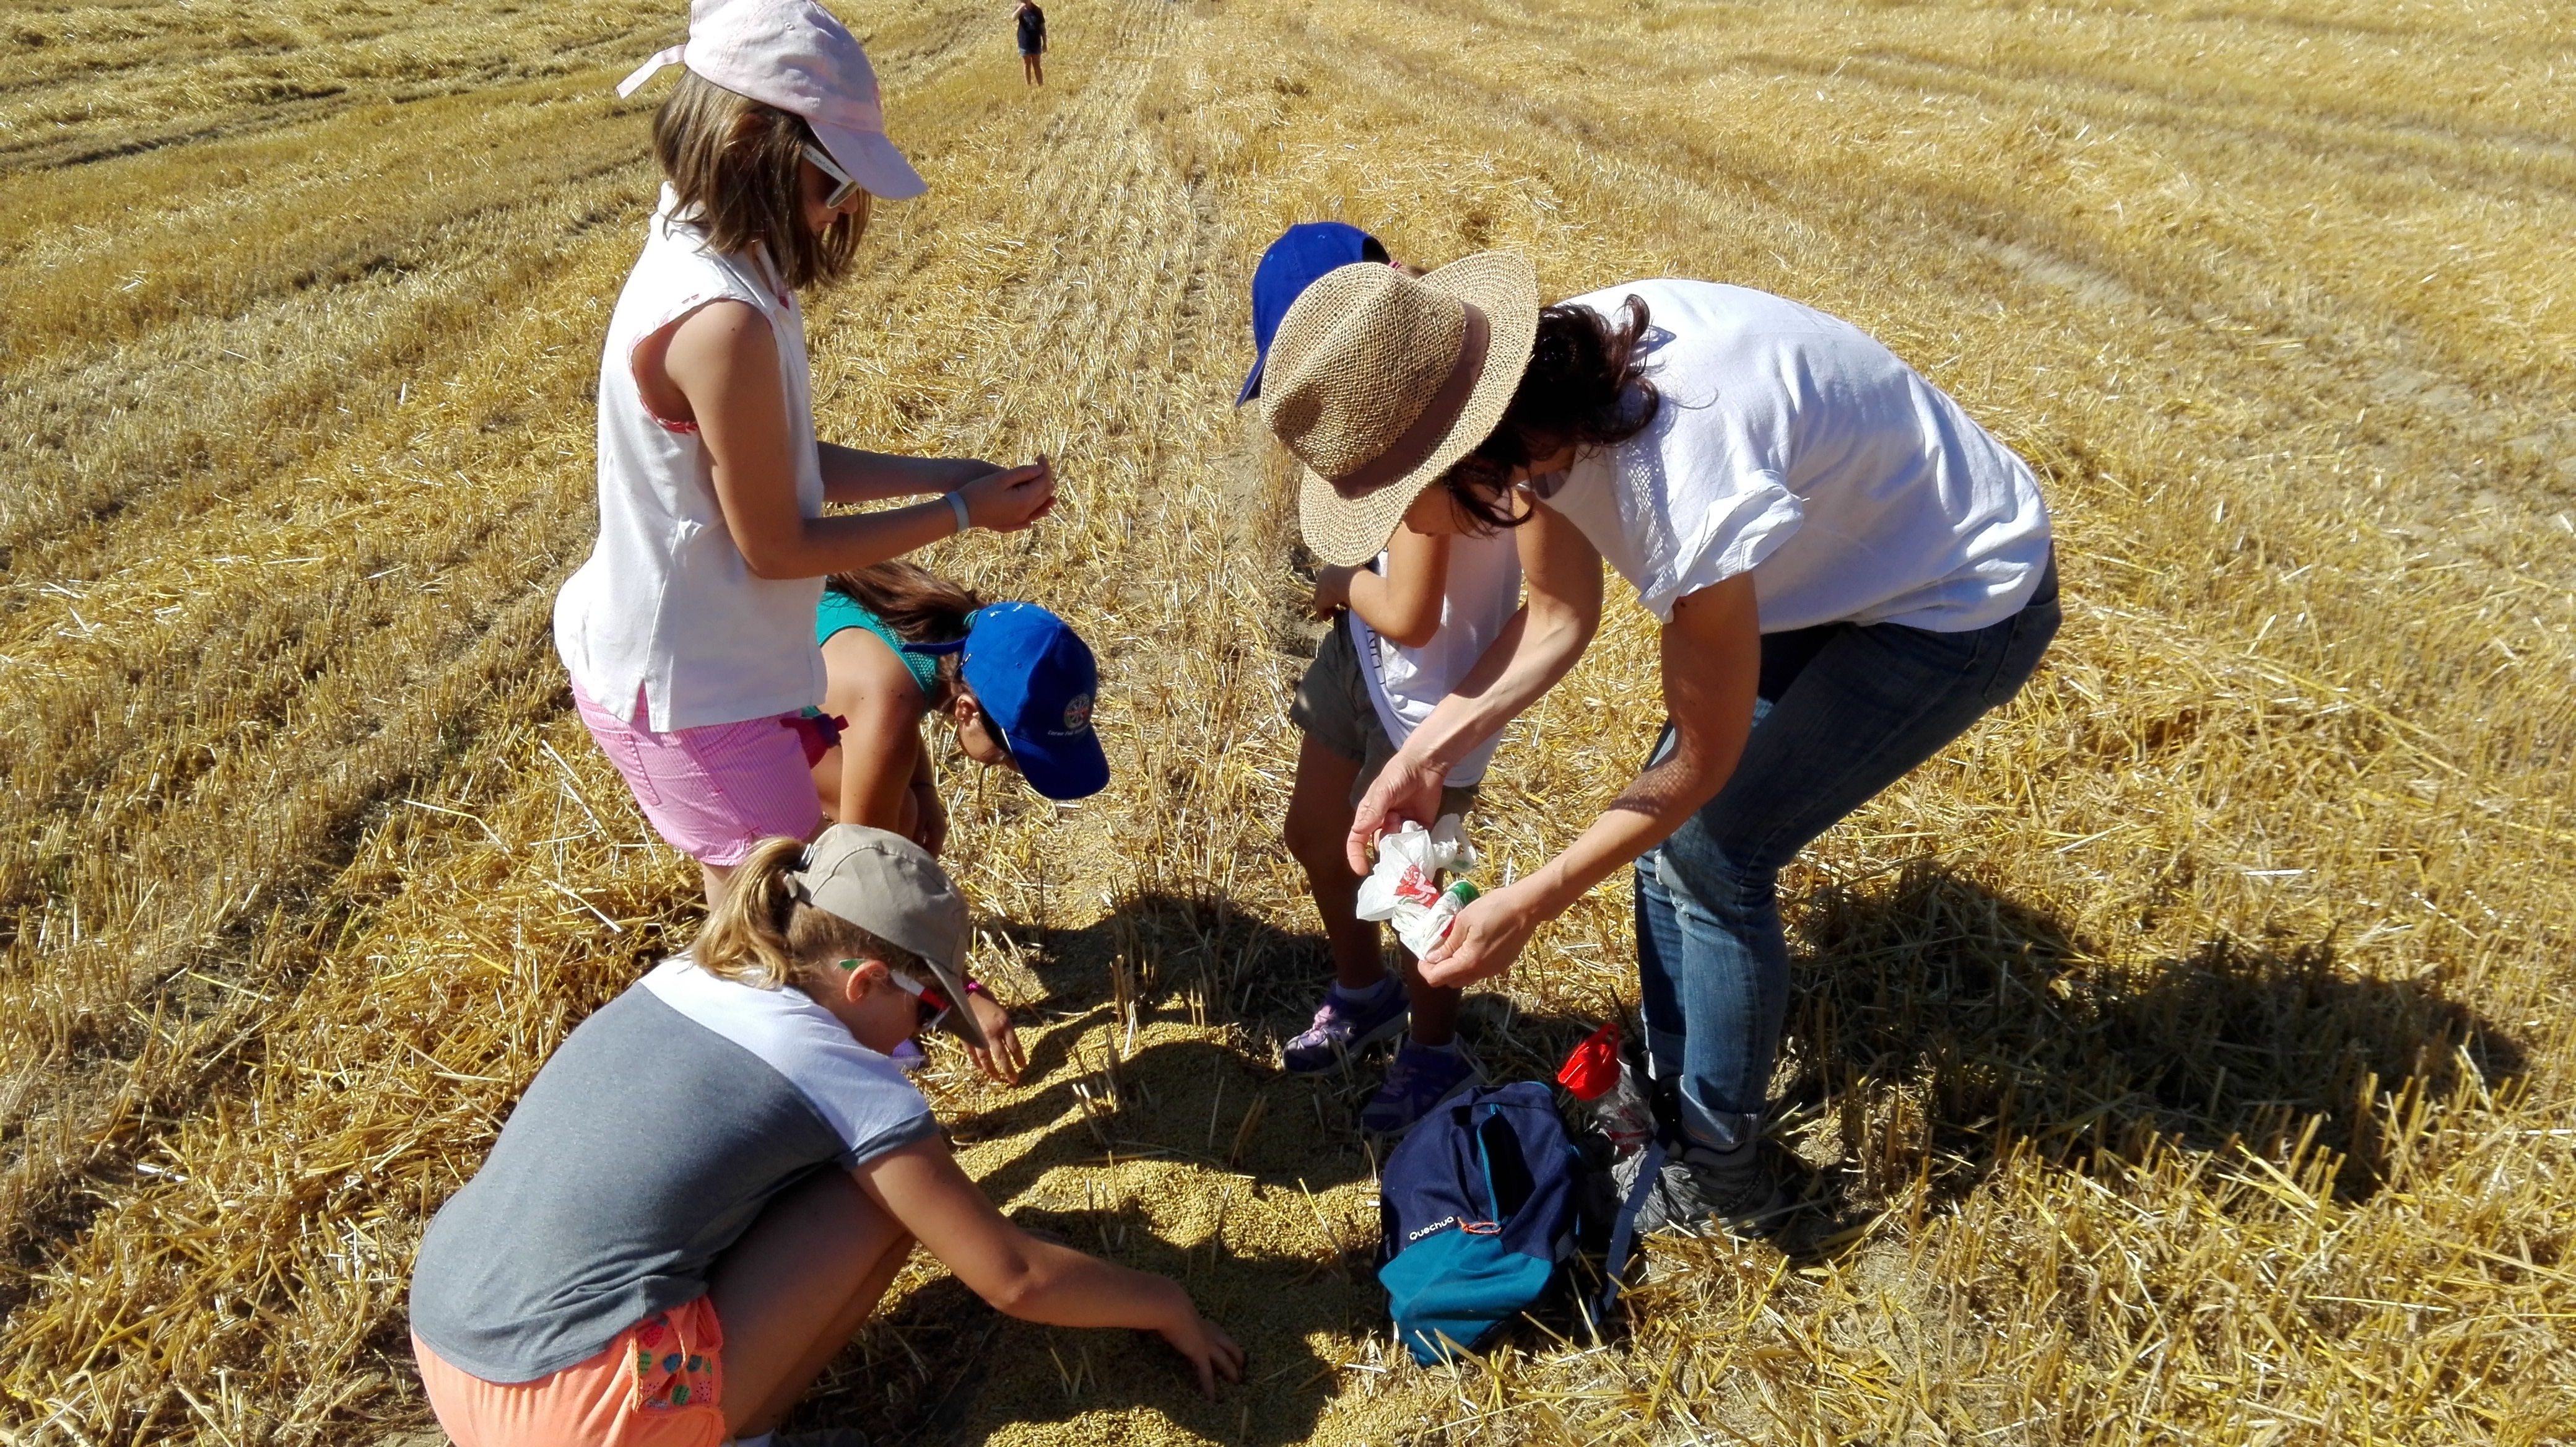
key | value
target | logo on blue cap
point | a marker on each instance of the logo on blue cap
(1302, 253)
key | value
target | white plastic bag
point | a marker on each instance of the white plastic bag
(1405, 888)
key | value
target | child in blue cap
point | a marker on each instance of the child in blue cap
(901, 644)
(1405, 630)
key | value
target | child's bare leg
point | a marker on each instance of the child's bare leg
(715, 877)
(793, 1289)
(1435, 1009)
(1319, 820)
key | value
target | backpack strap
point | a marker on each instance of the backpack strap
(1623, 1231)
(1493, 1198)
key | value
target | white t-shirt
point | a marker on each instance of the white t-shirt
(1793, 445)
(1406, 684)
(666, 605)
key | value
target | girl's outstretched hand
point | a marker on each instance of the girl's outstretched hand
(1207, 1346)
(1008, 501)
(1007, 1057)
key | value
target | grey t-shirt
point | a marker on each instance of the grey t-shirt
(647, 1144)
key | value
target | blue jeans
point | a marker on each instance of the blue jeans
(1843, 711)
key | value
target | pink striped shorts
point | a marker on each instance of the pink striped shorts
(715, 791)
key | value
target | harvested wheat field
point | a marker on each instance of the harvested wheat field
(2186, 1054)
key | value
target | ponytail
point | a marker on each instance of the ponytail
(745, 937)
(760, 934)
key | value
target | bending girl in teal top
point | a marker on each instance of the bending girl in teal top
(900, 644)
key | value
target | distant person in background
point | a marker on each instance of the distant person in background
(1849, 572)
(1405, 629)
(901, 644)
(1032, 36)
(712, 1181)
(688, 633)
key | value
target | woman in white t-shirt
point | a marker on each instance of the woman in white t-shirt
(1848, 570)
(689, 631)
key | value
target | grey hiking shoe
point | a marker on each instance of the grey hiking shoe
(1699, 1189)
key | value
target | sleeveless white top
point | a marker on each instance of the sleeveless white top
(1406, 684)
(665, 606)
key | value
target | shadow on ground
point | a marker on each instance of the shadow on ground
(1934, 1026)
(1179, 1150)
(1996, 1025)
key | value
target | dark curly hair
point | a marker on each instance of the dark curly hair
(1585, 387)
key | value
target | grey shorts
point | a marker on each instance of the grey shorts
(1333, 707)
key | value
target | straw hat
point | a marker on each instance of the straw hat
(1379, 383)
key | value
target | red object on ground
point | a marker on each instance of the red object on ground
(1594, 1066)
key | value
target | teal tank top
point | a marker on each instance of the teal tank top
(839, 610)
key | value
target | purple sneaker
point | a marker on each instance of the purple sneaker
(1343, 1029)
(1419, 1082)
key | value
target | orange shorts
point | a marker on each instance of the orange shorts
(657, 1385)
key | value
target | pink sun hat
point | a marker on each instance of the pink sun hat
(793, 55)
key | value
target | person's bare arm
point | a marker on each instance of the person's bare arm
(851, 475)
(1404, 603)
(930, 813)
(722, 360)
(881, 741)
(1541, 643)
(1712, 662)
(1019, 1275)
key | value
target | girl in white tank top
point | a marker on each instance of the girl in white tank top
(689, 631)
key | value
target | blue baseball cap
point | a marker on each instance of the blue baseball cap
(1301, 254)
(1035, 679)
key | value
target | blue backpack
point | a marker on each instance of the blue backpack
(1478, 1210)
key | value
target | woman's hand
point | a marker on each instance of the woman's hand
(1006, 502)
(1483, 939)
(1006, 1059)
(1332, 590)
(1209, 1349)
(1407, 788)
(930, 830)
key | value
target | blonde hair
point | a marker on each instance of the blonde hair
(761, 935)
(737, 167)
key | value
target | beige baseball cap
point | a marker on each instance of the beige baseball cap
(1380, 383)
(793, 55)
(892, 888)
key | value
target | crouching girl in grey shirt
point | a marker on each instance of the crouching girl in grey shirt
(709, 1185)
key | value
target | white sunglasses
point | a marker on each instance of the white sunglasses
(843, 187)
